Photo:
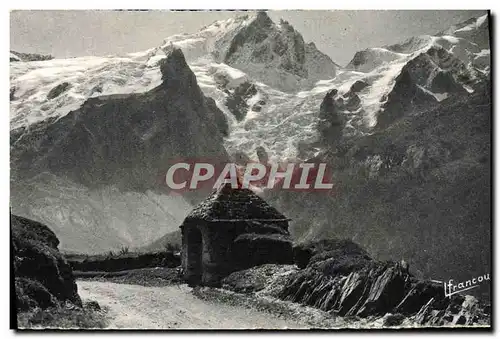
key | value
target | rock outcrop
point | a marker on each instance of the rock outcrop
(332, 121)
(406, 97)
(42, 276)
(342, 278)
(339, 277)
(236, 101)
(430, 77)
(18, 56)
(58, 90)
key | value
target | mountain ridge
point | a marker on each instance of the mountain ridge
(393, 86)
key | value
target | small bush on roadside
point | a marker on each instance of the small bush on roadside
(124, 250)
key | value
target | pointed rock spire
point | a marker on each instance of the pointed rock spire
(176, 74)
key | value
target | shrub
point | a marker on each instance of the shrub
(172, 247)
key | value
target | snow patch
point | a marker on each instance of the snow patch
(438, 96)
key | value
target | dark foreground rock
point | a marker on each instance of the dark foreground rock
(43, 278)
(339, 277)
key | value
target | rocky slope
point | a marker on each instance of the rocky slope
(340, 277)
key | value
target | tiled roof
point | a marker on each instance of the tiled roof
(228, 204)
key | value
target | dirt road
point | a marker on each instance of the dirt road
(173, 307)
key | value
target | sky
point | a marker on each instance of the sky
(339, 33)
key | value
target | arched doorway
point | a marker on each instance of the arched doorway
(194, 249)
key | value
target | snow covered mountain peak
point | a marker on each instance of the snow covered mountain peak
(274, 54)
(431, 67)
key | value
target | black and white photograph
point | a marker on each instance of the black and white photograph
(275, 170)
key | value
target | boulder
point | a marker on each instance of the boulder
(332, 122)
(43, 278)
(358, 86)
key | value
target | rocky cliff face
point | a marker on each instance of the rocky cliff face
(332, 121)
(429, 78)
